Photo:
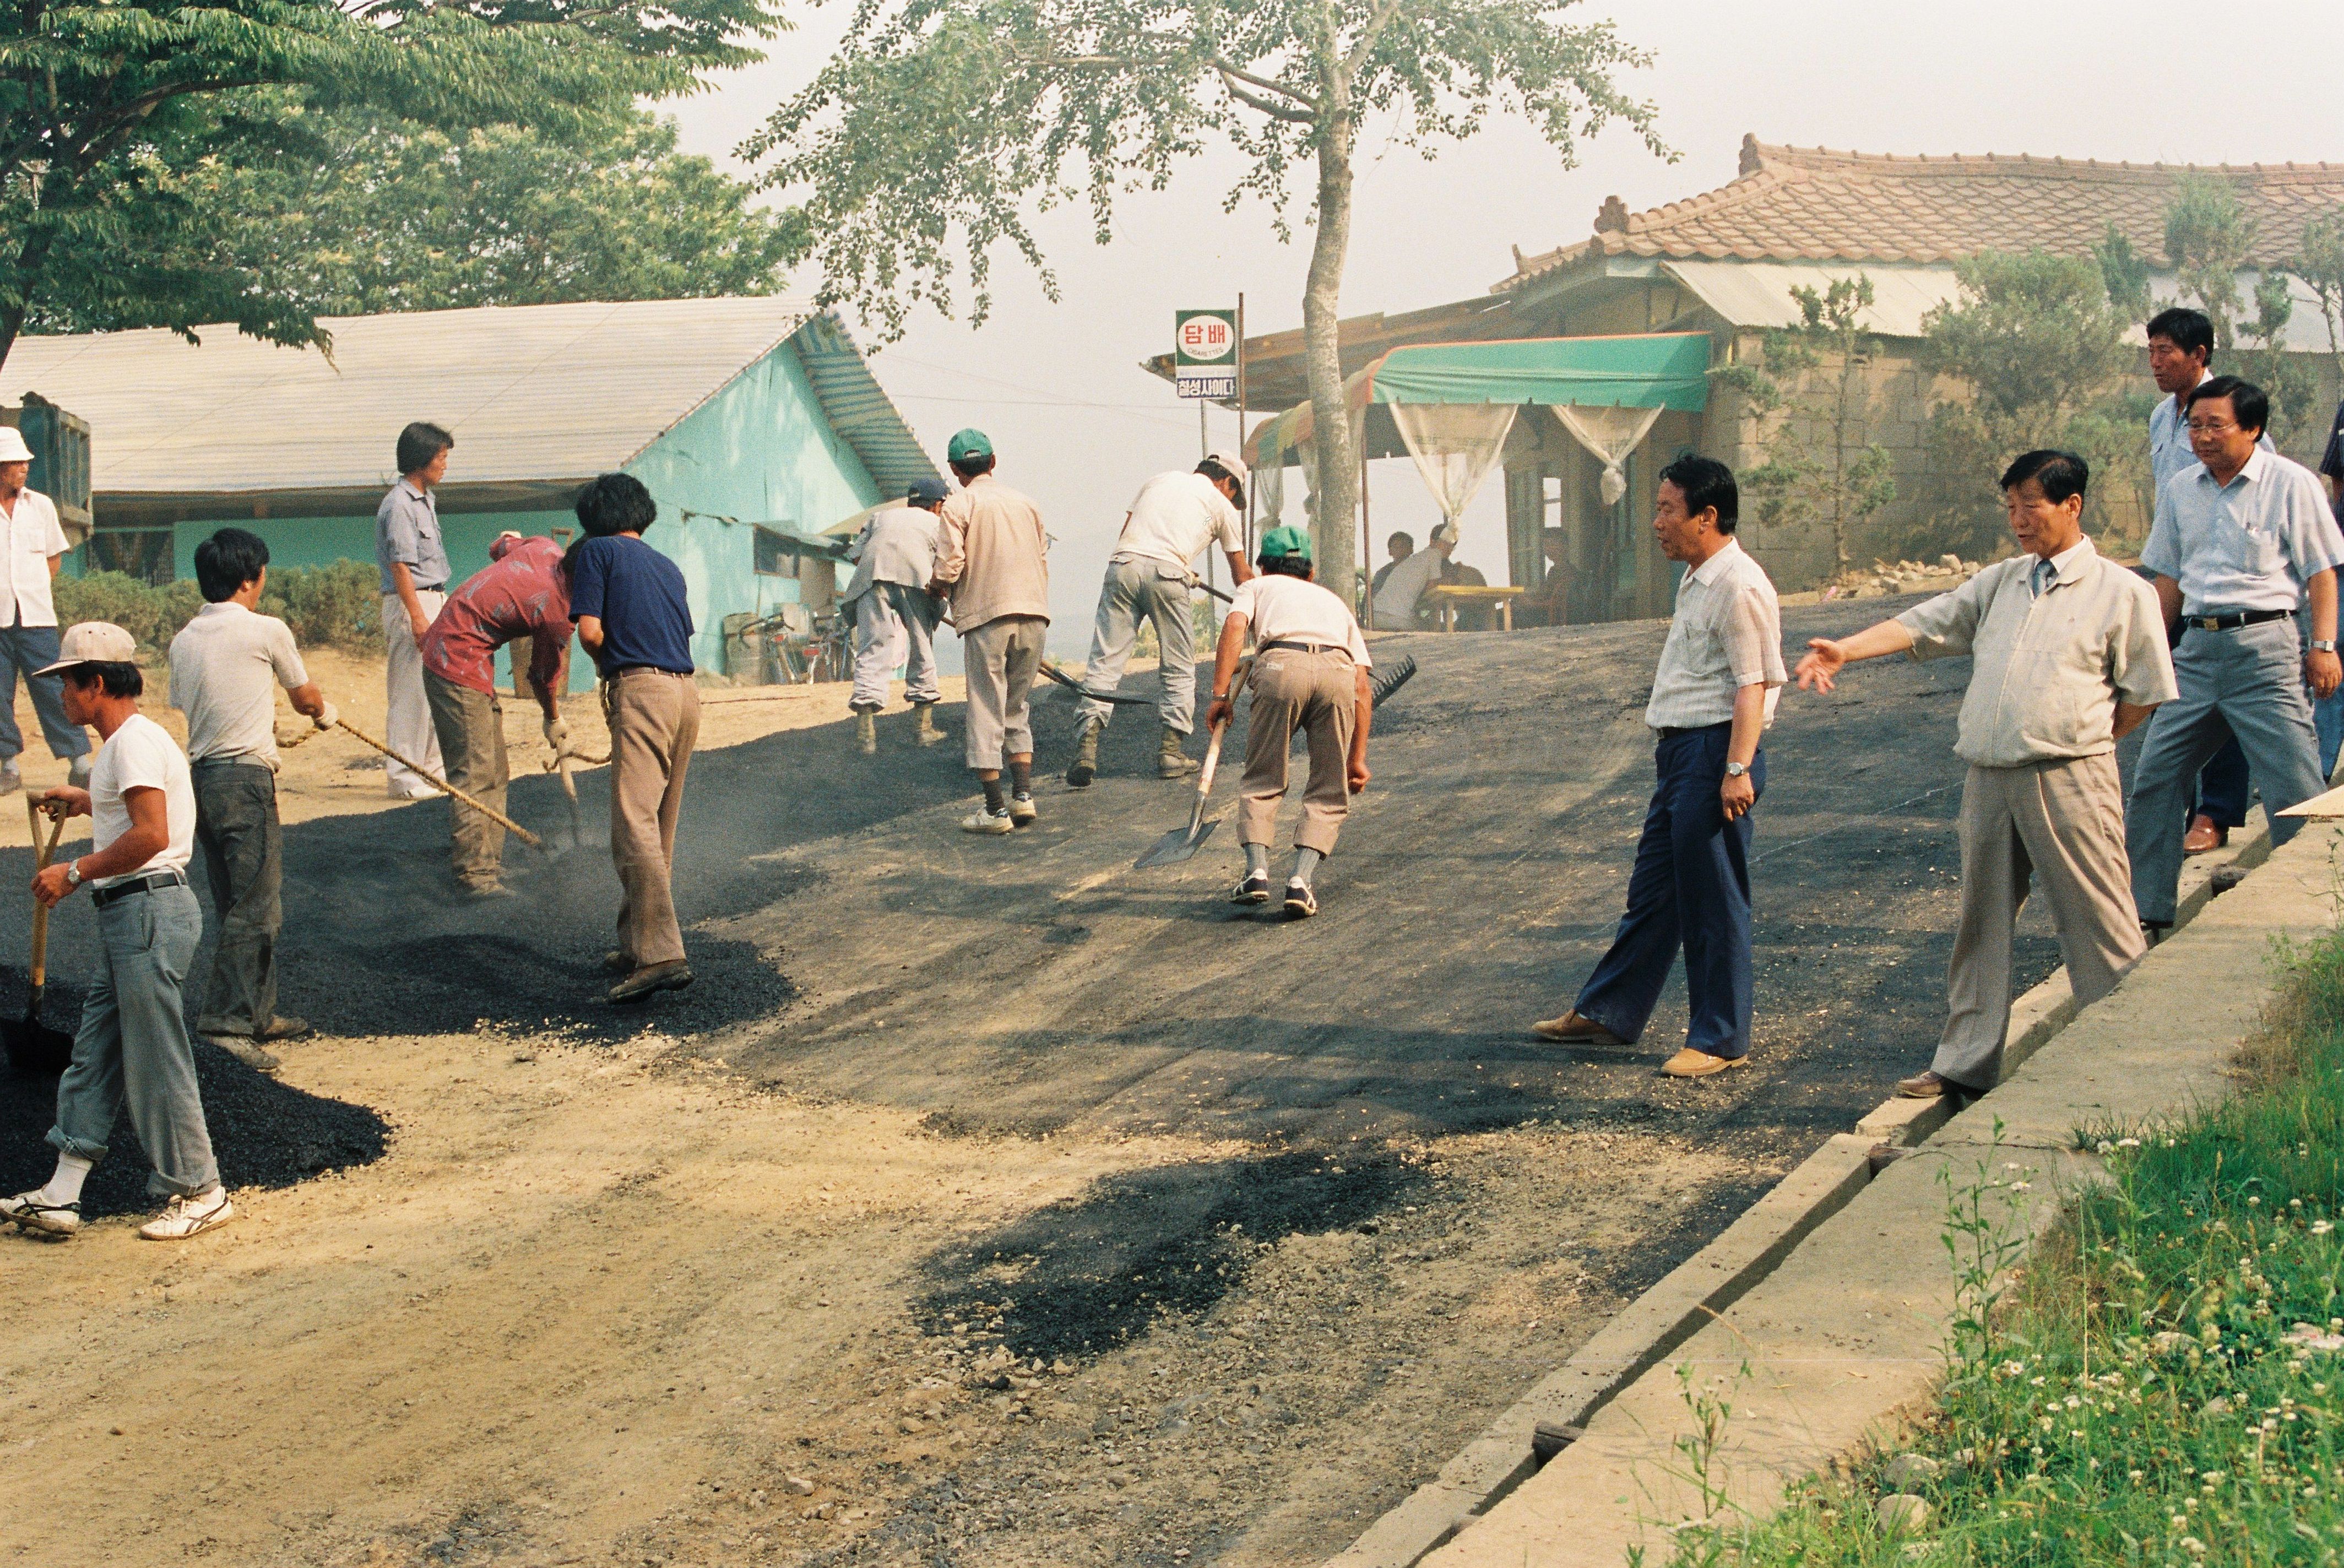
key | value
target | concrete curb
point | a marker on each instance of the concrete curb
(1700, 1289)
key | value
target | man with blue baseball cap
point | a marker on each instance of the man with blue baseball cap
(894, 614)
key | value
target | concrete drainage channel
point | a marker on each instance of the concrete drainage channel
(1545, 1420)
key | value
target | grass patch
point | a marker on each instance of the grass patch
(2163, 1383)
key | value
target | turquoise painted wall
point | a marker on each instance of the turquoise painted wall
(760, 450)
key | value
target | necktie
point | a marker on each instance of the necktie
(2040, 579)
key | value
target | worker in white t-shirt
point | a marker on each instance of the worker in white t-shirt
(1172, 521)
(132, 1049)
(1309, 674)
(34, 545)
(1394, 606)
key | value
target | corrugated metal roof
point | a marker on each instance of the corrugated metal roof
(533, 393)
(859, 410)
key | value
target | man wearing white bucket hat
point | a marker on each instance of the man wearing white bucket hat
(32, 544)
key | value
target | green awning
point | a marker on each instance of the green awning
(1645, 370)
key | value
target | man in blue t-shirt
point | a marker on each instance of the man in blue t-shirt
(635, 617)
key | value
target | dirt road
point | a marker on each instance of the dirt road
(986, 1202)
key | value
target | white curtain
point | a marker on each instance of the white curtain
(1270, 490)
(1611, 434)
(1455, 446)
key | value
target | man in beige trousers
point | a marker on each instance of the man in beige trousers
(991, 561)
(634, 616)
(2070, 656)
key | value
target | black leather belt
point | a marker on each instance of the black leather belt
(1284, 646)
(1671, 731)
(2233, 621)
(116, 892)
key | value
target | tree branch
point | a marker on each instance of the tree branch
(1275, 111)
(1384, 12)
(1222, 65)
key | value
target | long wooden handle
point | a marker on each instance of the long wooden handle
(1212, 760)
(444, 787)
(45, 852)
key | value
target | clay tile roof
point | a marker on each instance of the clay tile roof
(1812, 204)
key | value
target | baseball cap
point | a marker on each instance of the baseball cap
(1230, 464)
(969, 443)
(927, 491)
(93, 643)
(13, 448)
(1285, 540)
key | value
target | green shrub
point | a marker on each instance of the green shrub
(336, 606)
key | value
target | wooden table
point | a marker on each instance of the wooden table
(1451, 594)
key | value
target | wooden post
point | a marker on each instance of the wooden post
(1364, 557)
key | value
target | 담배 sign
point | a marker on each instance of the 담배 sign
(1205, 353)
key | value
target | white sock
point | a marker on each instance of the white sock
(65, 1186)
(1306, 864)
(1257, 860)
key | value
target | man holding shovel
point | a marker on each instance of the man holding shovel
(1309, 674)
(132, 1048)
(1172, 521)
(226, 665)
(521, 592)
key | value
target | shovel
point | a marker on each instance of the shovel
(34, 1048)
(1183, 842)
(450, 791)
(560, 764)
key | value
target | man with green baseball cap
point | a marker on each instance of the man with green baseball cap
(991, 562)
(1309, 674)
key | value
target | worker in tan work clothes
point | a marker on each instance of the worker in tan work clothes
(991, 561)
(1309, 674)
(2067, 655)
(633, 615)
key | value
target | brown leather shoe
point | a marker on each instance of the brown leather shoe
(671, 975)
(1922, 1085)
(1573, 1030)
(1688, 1063)
(2203, 835)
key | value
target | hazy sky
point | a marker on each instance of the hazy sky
(1078, 425)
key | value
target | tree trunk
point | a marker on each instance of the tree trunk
(32, 260)
(1335, 526)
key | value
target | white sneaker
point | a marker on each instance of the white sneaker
(1021, 810)
(186, 1216)
(983, 821)
(77, 772)
(32, 1213)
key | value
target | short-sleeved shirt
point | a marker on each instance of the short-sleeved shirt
(640, 597)
(2331, 459)
(519, 595)
(1282, 609)
(1394, 606)
(1175, 515)
(1726, 634)
(2250, 545)
(141, 754)
(225, 666)
(406, 533)
(2048, 669)
(31, 535)
(2168, 442)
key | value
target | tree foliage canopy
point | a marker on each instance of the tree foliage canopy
(123, 127)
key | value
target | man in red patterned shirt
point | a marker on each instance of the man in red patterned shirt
(521, 594)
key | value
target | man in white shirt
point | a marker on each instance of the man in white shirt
(894, 617)
(1719, 675)
(132, 1050)
(226, 665)
(35, 546)
(1393, 607)
(1173, 519)
(1309, 674)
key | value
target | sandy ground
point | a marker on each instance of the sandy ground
(971, 1210)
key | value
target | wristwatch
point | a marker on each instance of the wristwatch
(2323, 645)
(1736, 770)
(73, 873)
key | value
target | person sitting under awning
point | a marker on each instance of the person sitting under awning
(1394, 607)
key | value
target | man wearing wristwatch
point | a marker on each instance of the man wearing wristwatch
(2068, 656)
(132, 1049)
(1714, 694)
(2243, 538)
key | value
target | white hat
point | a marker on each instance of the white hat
(93, 643)
(13, 448)
(1230, 464)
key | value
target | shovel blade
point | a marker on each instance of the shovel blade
(1177, 844)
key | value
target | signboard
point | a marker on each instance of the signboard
(1205, 353)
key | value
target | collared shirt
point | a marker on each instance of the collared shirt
(1292, 609)
(31, 535)
(225, 666)
(406, 533)
(2168, 440)
(2331, 459)
(522, 594)
(1175, 515)
(2048, 670)
(1726, 634)
(897, 544)
(642, 600)
(2250, 545)
(2044, 573)
(141, 754)
(991, 550)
